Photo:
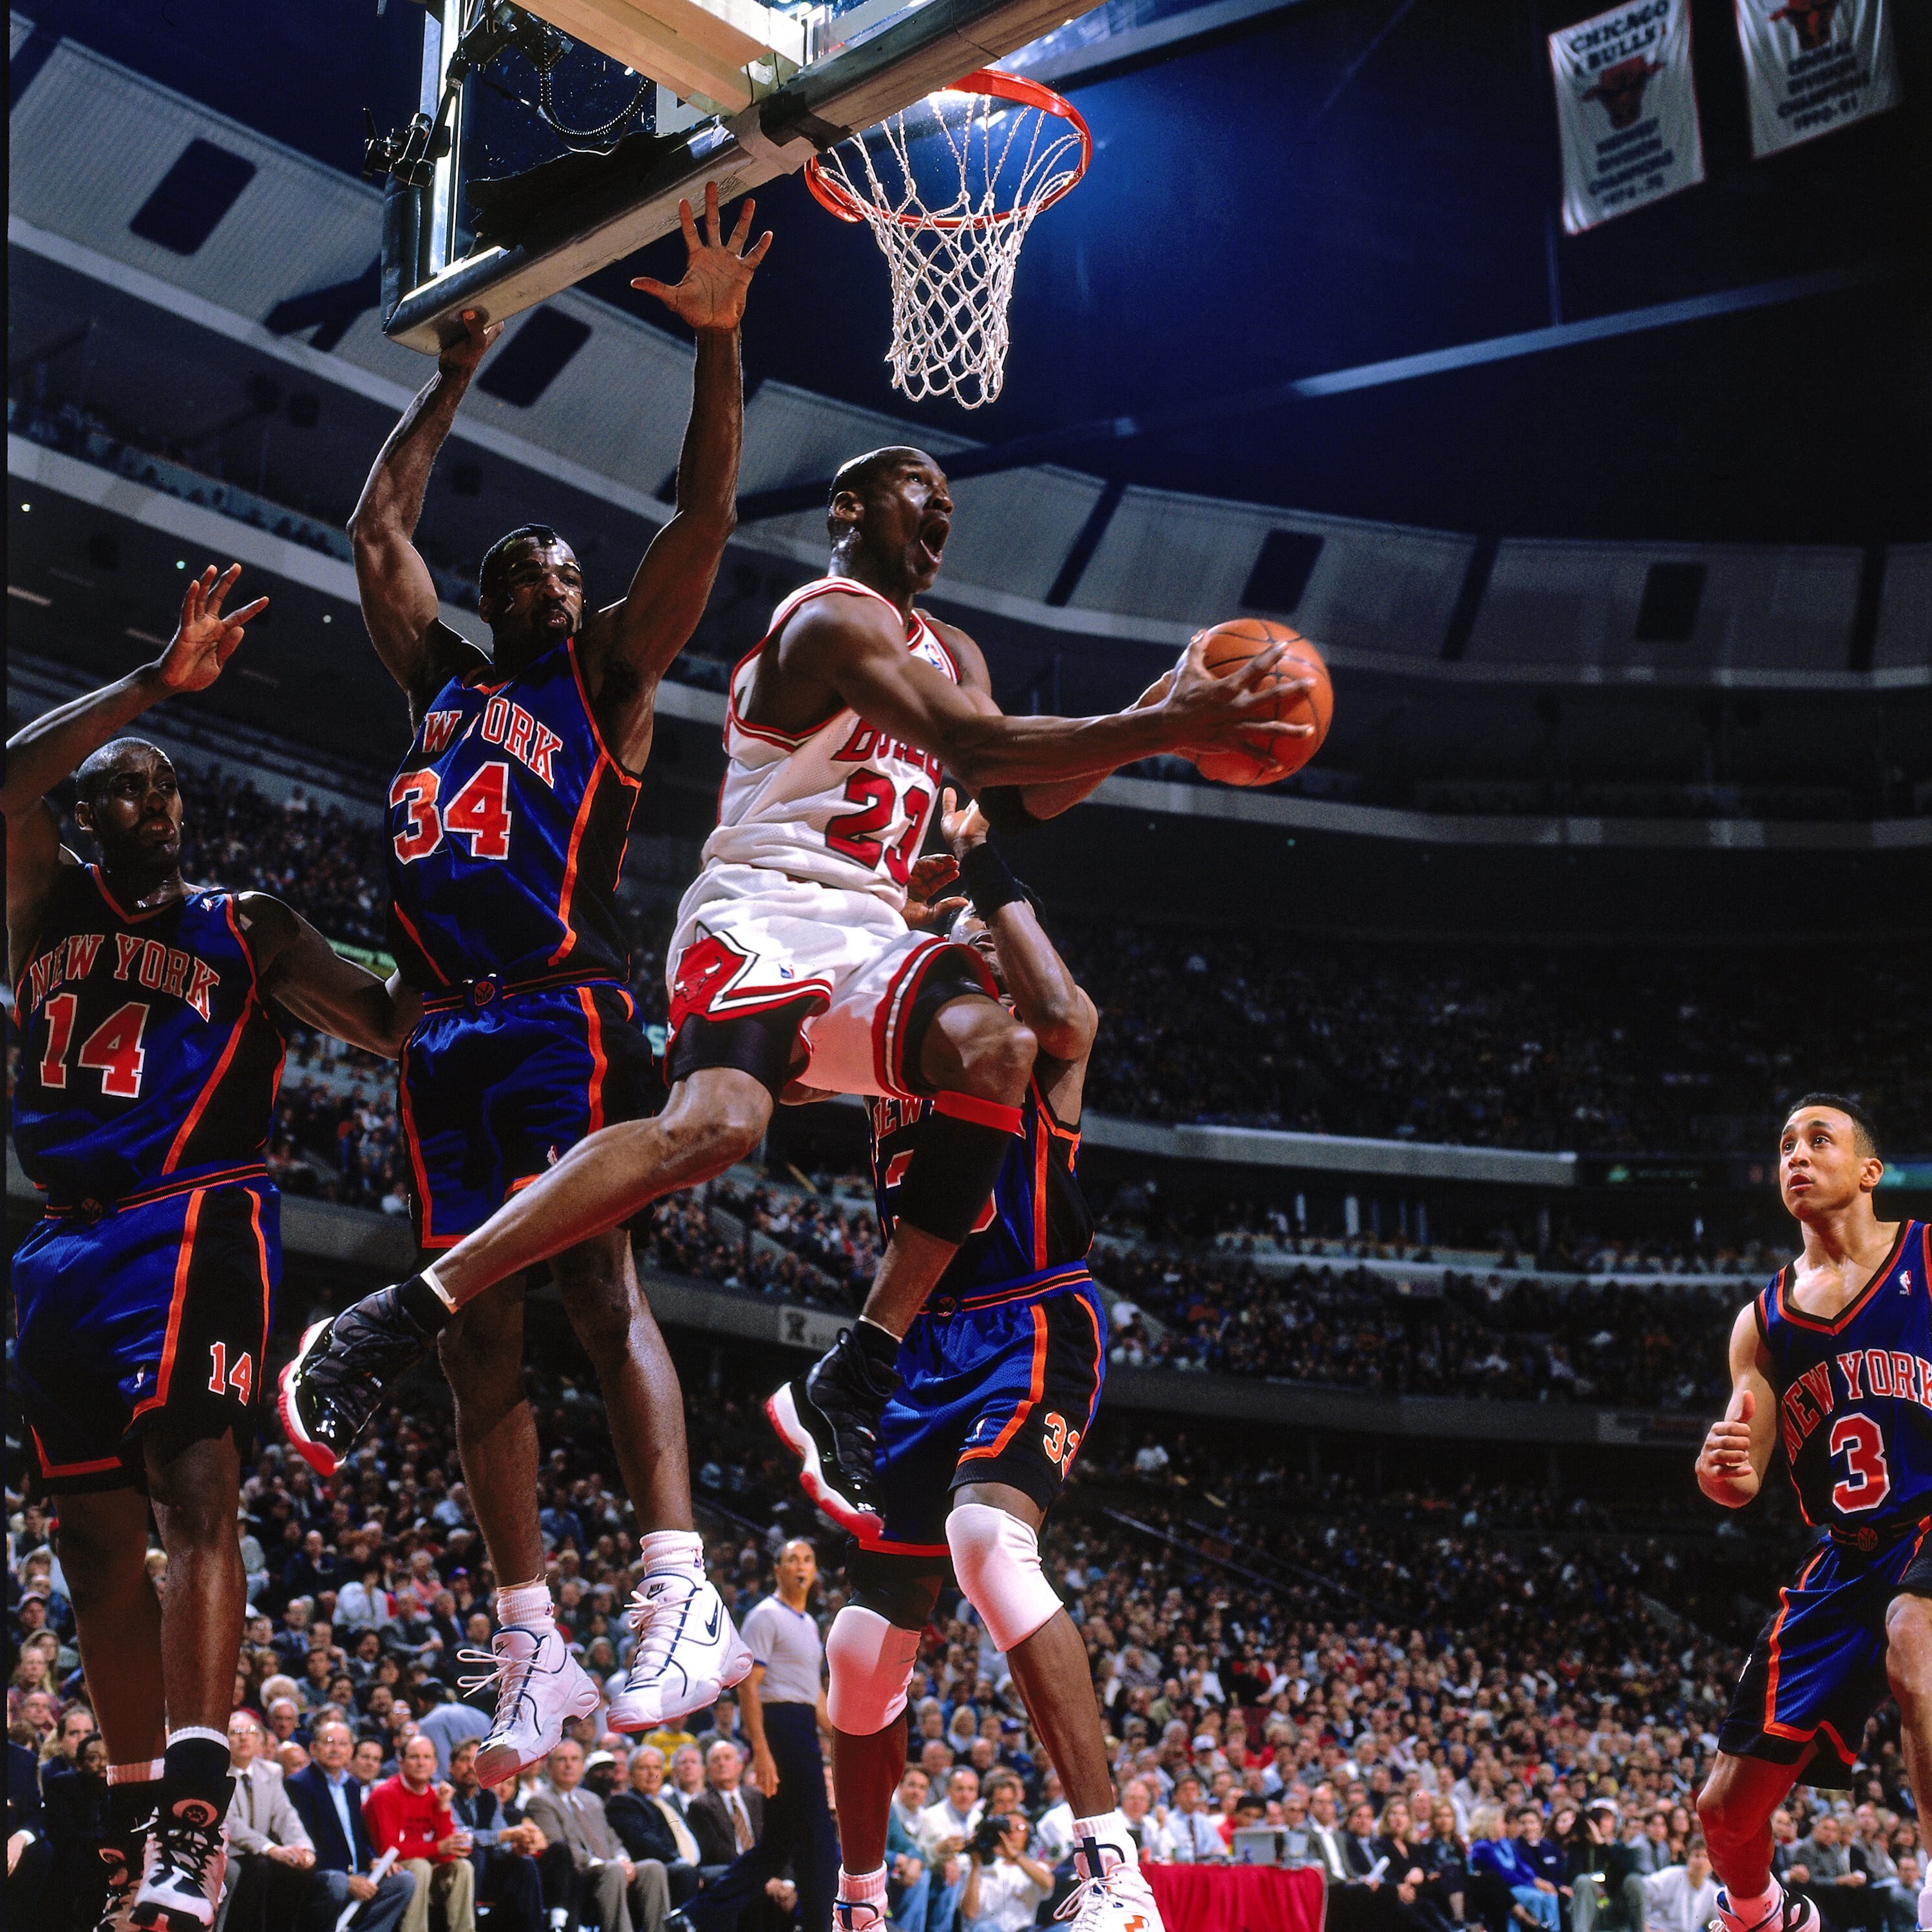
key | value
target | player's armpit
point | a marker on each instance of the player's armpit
(297, 967)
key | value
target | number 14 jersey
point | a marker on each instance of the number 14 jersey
(1855, 1394)
(843, 803)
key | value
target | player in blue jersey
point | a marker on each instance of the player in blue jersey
(997, 1383)
(151, 1050)
(507, 820)
(1832, 1365)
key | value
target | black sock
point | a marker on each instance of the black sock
(130, 1807)
(198, 1767)
(423, 1305)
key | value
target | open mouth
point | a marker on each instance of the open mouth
(932, 535)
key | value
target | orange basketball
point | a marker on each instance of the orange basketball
(1231, 645)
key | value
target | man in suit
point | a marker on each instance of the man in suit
(1837, 1881)
(329, 1803)
(624, 1894)
(1196, 1841)
(727, 1817)
(1352, 1894)
(271, 1874)
(507, 1851)
(653, 1826)
(30, 1856)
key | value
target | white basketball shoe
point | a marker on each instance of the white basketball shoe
(183, 1883)
(1123, 1901)
(687, 1651)
(540, 1687)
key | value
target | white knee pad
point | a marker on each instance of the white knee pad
(996, 1558)
(870, 1662)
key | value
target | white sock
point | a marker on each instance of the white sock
(1924, 1899)
(527, 1606)
(673, 1550)
(1753, 1911)
(202, 1731)
(1108, 1834)
(434, 1281)
(855, 1887)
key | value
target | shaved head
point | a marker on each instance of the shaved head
(114, 757)
(859, 476)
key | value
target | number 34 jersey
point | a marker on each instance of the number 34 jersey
(148, 1053)
(843, 804)
(1855, 1394)
(507, 826)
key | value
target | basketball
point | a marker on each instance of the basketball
(1231, 645)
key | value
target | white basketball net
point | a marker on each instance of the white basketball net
(952, 239)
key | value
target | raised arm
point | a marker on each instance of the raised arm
(40, 755)
(299, 968)
(852, 648)
(1737, 1451)
(630, 645)
(399, 600)
(1045, 994)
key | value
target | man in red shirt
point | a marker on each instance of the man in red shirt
(406, 1814)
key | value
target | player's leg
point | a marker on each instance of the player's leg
(102, 1542)
(1734, 1813)
(539, 1685)
(976, 1059)
(1908, 1658)
(715, 1116)
(687, 1649)
(869, 1654)
(194, 1477)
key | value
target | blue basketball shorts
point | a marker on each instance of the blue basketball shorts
(998, 1387)
(154, 1310)
(1817, 1673)
(492, 1096)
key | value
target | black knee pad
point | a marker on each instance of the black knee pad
(762, 1045)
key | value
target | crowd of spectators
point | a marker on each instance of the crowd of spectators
(1609, 1050)
(1266, 1642)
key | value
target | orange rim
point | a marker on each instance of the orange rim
(832, 194)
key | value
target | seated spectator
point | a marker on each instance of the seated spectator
(624, 1894)
(29, 1853)
(908, 1881)
(1147, 1829)
(1191, 1833)
(329, 1802)
(407, 1816)
(446, 1722)
(1496, 1861)
(1681, 1898)
(77, 1825)
(272, 1874)
(944, 1827)
(730, 1817)
(1004, 1888)
(507, 1851)
(1832, 1881)
(651, 1826)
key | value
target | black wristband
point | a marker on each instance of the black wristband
(989, 882)
(1005, 809)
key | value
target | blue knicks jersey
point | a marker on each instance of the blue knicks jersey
(1854, 1394)
(507, 827)
(147, 1051)
(1037, 1217)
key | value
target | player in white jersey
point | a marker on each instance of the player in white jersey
(793, 956)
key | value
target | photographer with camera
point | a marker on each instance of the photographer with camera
(1004, 1887)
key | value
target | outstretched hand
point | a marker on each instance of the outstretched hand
(461, 356)
(924, 911)
(1232, 711)
(205, 639)
(962, 826)
(717, 274)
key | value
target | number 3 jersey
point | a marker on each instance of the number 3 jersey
(1854, 1393)
(842, 804)
(507, 825)
(149, 1052)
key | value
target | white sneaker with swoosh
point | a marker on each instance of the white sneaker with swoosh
(540, 1687)
(688, 1651)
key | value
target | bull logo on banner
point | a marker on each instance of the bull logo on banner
(1620, 89)
(1811, 20)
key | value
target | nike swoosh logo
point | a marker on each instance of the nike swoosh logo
(711, 1628)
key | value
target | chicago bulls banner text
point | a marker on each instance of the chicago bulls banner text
(1626, 108)
(1813, 65)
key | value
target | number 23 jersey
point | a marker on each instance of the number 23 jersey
(844, 803)
(148, 1053)
(1854, 1393)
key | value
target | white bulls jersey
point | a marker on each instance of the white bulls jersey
(844, 804)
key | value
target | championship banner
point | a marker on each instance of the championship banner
(1813, 65)
(1628, 109)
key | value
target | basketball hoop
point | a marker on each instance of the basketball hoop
(995, 149)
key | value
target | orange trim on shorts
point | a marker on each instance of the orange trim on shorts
(52, 1470)
(594, 1023)
(166, 1373)
(424, 1237)
(1025, 1406)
